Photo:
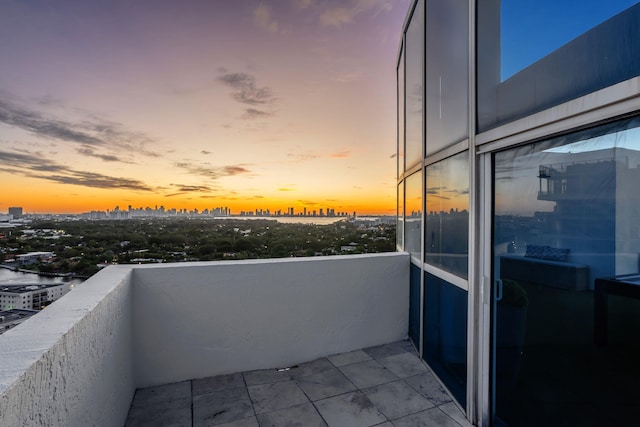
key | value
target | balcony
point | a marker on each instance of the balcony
(168, 327)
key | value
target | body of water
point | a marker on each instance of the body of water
(292, 219)
(15, 278)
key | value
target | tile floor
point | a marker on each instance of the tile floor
(381, 386)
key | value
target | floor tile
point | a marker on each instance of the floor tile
(385, 424)
(430, 418)
(404, 364)
(303, 415)
(162, 393)
(245, 422)
(387, 349)
(217, 383)
(407, 345)
(269, 397)
(367, 374)
(429, 387)
(343, 359)
(310, 368)
(352, 409)
(172, 413)
(221, 407)
(397, 399)
(325, 384)
(266, 376)
(452, 410)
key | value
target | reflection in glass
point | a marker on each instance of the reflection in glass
(447, 214)
(400, 217)
(566, 218)
(414, 73)
(447, 73)
(413, 215)
(400, 156)
(571, 50)
(542, 26)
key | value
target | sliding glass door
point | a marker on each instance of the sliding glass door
(566, 255)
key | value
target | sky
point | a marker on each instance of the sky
(199, 104)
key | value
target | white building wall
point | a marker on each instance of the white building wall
(194, 320)
(71, 365)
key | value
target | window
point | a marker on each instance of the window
(414, 88)
(447, 70)
(564, 58)
(447, 214)
(413, 215)
(400, 217)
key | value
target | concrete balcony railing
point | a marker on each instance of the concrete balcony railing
(79, 362)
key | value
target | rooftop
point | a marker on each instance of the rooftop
(209, 343)
(386, 385)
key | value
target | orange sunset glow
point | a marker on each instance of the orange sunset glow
(199, 104)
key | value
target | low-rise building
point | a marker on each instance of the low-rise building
(34, 257)
(11, 318)
(31, 296)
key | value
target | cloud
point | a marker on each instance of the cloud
(192, 188)
(252, 113)
(262, 17)
(90, 152)
(435, 190)
(213, 172)
(234, 170)
(341, 154)
(185, 189)
(245, 90)
(458, 192)
(346, 12)
(95, 180)
(34, 165)
(38, 124)
(286, 189)
(205, 152)
(91, 133)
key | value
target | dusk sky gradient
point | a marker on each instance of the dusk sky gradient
(199, 104)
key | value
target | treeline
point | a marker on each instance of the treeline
(82, 246)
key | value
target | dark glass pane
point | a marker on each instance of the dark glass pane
(566, 239)
(415, 273)
(445, 334)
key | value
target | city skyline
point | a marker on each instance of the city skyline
(239, 104)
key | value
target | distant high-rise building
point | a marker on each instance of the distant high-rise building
(15, 211)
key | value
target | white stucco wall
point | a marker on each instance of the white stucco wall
(71, 365)
(199, 319)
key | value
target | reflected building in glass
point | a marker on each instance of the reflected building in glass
(518, 166)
